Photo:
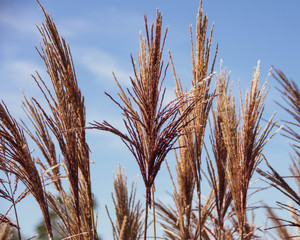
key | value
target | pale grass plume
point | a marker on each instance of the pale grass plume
(217, 168)
(245, 139)
(6, 232)
(65, 124)
(183, 221)
(129, 222)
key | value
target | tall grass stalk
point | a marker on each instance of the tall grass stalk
(291, 96)
(217, 171)
(244, 139)
(16, 158)
(66, 124)
(152, 128)
(129, 224)
(190, 143)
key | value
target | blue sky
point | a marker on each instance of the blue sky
(103, 34)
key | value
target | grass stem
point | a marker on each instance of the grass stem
(153, 205)
(146, 218)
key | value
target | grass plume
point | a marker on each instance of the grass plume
(66, 124)
(190, 143)
(129, 224)
(16, 158)
(151, 128)
(244, 140)
(291, 95)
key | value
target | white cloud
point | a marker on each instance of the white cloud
(28, 20)
(16, 77)
(25, 23)
(115, 21)
(113, 117)
(101, 64)
(73, 27)
(19, 71)
(13, 103)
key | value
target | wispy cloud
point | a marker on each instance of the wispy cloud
(26, 23)
(115, 21)
(73, 27)
(27, 20)
(19, 71)
(101, 64)
(14, 103)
